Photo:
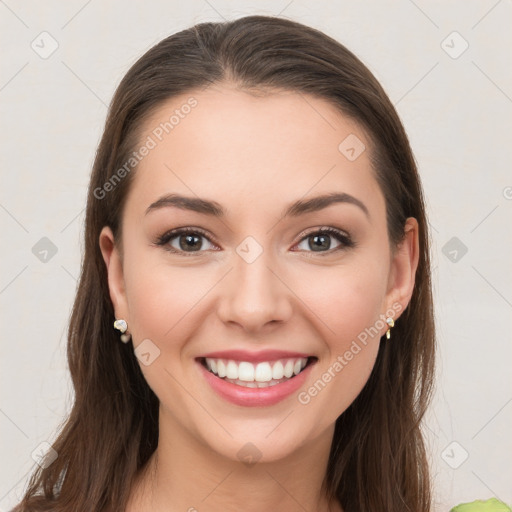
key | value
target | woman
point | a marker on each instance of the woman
(253, 329)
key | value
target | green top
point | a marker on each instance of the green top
(491, 505)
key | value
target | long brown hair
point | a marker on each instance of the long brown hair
(377, 460)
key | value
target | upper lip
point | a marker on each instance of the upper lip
(254, 357)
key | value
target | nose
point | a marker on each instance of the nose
(254, 295)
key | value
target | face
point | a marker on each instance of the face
(258, 277)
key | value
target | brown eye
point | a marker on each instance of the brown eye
(185, 241)
(321, 241)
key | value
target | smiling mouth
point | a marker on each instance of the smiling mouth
(257, 375)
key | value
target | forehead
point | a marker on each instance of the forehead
(241, 149)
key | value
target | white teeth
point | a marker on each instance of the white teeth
(255, 384)
(252, 375)
(221, 368)
(263, 372)
(288, 369)
(232, 370)
(246, 372)
(278, 370)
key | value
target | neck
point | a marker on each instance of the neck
(185, 475)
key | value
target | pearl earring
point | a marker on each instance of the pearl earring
(391, 323)
(121, 325)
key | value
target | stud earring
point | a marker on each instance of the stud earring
(121, 326)
(391, 323)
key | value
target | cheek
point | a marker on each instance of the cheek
(162, 297)
(348, 304)
(345, 300)
(162, 302)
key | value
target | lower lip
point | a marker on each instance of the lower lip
(255, 397)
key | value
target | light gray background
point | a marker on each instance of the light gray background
(457, 112)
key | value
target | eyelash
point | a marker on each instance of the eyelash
(343, 238)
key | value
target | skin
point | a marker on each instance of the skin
(253, 154)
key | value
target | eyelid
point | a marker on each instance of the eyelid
(343, 237)
(323, 229)
(164, 239)
(172, 233)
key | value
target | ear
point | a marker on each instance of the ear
(403, 269)
(112, 259)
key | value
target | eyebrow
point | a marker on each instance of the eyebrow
(297, 208)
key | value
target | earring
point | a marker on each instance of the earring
(121, 325)
(391, 323)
